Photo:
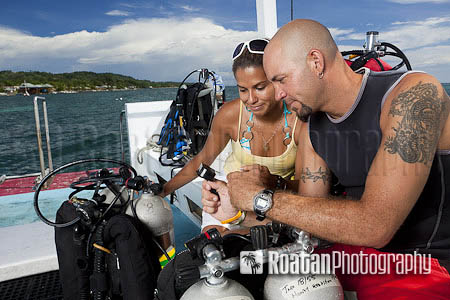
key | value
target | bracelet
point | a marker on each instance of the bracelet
(237, 216)
(281, 183)
(239, 220)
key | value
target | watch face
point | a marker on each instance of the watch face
(261, 203)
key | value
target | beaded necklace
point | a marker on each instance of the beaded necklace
(247, 135)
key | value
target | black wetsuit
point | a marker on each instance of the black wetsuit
(349, 145)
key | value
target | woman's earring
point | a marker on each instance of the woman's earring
(320, 75)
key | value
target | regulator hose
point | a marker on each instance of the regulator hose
(365, 56)
(400, 53)
(98, 280)
(51, 174)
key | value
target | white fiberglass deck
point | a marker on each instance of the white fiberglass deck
(26, 250)
(27, 245)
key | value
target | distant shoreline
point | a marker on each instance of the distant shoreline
(87, 91)
(35, 82)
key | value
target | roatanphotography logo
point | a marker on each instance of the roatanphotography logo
(252, 262)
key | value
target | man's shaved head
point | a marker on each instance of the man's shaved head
(298, 37)
(307, 70)
(297, 61)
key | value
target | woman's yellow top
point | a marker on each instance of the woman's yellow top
(282, 165)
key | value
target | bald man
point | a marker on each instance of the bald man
(385, 136)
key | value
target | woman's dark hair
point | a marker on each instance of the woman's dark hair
(247, 59)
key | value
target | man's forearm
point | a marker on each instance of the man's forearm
(333, 219)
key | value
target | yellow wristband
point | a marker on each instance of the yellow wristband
(239, 220)
(237, 216)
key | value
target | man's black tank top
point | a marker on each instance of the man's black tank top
(349, 144)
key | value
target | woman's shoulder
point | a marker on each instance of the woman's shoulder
(229, 110)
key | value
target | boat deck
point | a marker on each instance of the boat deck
(45, 286)
(23, 185)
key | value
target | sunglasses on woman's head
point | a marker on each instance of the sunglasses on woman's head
(255, 46)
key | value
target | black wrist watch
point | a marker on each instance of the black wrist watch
(262, 202)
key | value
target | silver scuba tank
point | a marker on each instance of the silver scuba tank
(215, 285)
(156, 214)
(303, 286)
(228, 290)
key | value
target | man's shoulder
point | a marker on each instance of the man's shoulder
(414, 88)
(413, 117)
(416, 81)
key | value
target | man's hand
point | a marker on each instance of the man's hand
(243, 186)
(221, 209)
(262, 172)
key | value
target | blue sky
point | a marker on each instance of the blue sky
(165, 40)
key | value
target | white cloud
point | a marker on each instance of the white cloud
(157, 49)
(418, 1)
(413, 34)
(189, 8)
(169, 48)
(119, 13)
(428, 56)
(128, 5)
(338, 33)
(426, 22)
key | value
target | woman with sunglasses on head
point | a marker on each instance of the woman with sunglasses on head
(262, 130)
(264, 136)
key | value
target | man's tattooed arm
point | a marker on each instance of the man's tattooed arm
(314, 176)
(422, 114)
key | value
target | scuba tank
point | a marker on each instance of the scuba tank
(303, 286)
(156, 215)
(214, 284)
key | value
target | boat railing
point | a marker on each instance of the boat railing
(44, 170)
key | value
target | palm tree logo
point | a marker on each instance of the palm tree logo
(252, 261)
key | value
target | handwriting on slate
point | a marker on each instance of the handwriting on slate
(307, 284)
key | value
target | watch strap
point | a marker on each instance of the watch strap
(261, 215)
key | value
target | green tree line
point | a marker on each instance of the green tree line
(77, 80)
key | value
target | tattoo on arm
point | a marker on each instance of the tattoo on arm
(417, 134)
(320, 174)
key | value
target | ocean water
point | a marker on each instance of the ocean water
(82, 125)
